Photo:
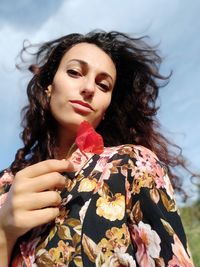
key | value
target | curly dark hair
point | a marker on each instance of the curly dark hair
(131, 116)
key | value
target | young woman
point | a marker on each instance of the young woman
(67, 200)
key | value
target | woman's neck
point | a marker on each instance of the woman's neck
(64, 152)
(65, 144)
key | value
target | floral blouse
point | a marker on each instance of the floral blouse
(118, 209)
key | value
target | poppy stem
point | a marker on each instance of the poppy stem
(70, 150)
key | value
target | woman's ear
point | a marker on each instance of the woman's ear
(48, 90)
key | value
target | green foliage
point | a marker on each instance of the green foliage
(191, 219)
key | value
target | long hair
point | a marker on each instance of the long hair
(131, 116)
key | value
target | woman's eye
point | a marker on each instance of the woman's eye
(74, 73)
(104, 87)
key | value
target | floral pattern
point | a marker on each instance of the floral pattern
(111, 208)
(118, 209)
(148, 244)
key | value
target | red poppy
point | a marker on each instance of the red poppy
(88, 140)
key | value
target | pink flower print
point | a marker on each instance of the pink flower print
(180, 257)
(144, 166)
(28, 251)
(147, 242)
(104, 157)
(7, 178)
(101, 163)
(104, 176)
(148, 155)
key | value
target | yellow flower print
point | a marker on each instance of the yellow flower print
(69, 184)
(55, 254)
(142, 180)
(127, 150)
(119, 237)
(117, 233)
(62, 216)
(111, 208)
(65, 249)
(114, 233)
(87, 184)
(104, 247)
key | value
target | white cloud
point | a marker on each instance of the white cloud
(26, 15)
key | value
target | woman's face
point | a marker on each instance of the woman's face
(82, 87)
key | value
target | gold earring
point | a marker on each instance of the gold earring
(48, 91)
(103, 116)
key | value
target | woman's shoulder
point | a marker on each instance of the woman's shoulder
(137, 158)
(134, 151)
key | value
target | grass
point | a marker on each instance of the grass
(191, 219)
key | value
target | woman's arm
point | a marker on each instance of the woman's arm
(6, 246)
(154, 222)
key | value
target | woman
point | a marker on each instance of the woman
(111, 206)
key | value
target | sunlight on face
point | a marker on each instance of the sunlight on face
(82, 87)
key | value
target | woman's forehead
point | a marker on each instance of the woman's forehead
(92, 55)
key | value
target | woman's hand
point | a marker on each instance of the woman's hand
(33, 199)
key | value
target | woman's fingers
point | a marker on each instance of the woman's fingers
(42, 216)
(44, 167)
(26, 220)
(34, 201)
(44, 182)
(42, 176)
(51, 181)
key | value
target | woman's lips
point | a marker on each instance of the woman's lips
(81, 106)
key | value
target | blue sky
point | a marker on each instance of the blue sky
(173, 24)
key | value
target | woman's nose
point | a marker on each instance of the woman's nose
(88, 88)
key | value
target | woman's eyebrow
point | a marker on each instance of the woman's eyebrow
(85, 64)
(82, 62)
